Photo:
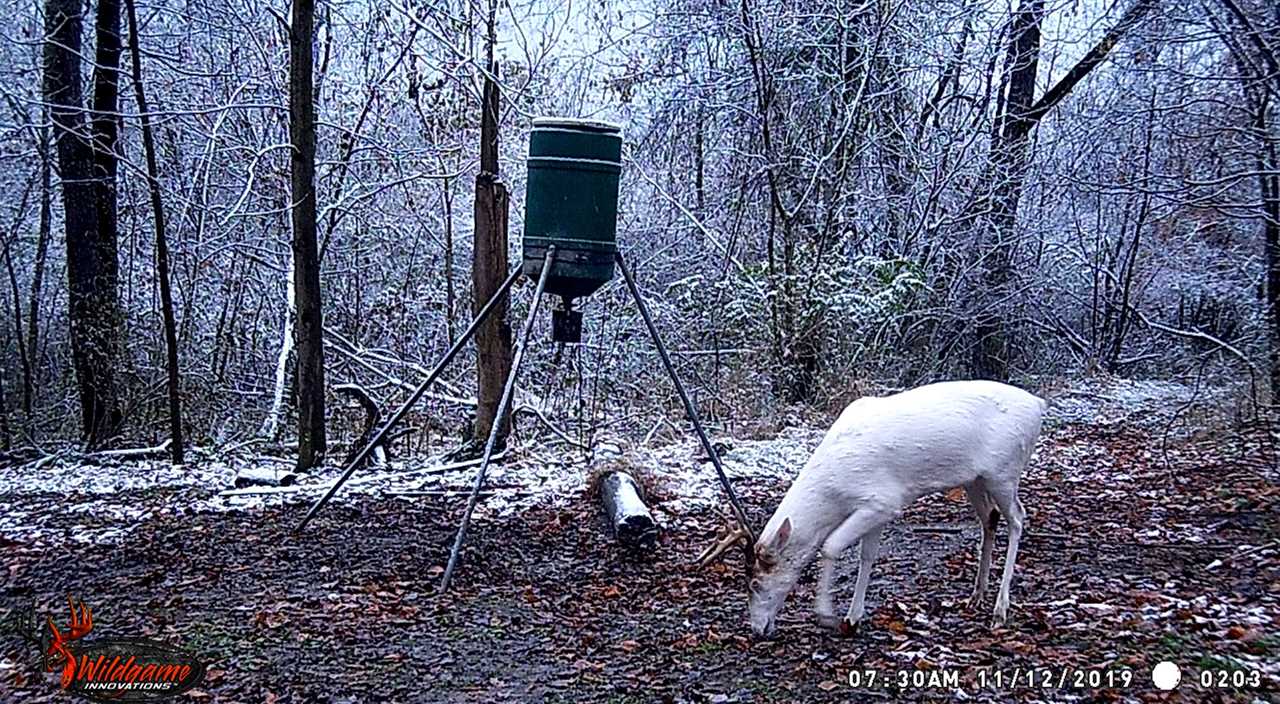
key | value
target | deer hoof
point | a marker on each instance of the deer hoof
(848, 629)
(1001, 611)
(974, 603)
(829, 621)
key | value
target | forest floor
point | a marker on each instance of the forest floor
(1142, 545)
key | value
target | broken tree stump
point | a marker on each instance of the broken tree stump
(373, 418)
(633, 524)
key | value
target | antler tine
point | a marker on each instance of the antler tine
(735, 535)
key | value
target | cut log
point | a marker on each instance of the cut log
(264, 476)
(633, 524)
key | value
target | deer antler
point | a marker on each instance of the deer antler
(80, 624)
(733, 534)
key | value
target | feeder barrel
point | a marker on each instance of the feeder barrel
(571, 202)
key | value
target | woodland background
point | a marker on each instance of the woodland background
(815, 194)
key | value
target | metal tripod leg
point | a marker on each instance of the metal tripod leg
(504, 406)
(690, 411)
(377, 439)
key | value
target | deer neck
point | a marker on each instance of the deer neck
(814, 514)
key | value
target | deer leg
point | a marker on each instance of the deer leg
(823, 605)
(868, 550)
(985, 510)
(1007, 499)
(858, 525)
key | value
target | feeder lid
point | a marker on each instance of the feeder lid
(577, 124)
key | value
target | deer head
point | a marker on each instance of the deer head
(58, 653)
(760, 566)
(770, 571)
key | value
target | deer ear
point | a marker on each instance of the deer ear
(784, 534)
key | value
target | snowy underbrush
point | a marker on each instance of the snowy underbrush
(112, 494)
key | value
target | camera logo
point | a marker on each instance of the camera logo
(109, 669)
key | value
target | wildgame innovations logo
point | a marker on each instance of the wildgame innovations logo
(107, 669)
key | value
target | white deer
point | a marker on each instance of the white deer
(881, 454)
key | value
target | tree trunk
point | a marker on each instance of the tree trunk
(86, 164)
(1254, 47)
(1008, 159)
(309, 326)
(272, 423)
(24, 359)
(493, 338)
(1268, 168)
(6, 443)
(162, 245)
(489, 264)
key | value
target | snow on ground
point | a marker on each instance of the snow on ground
(112, 495)
(1111, 400)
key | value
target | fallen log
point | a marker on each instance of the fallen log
(264, 476)
(294, 487)
(633, 524)
(132, 453)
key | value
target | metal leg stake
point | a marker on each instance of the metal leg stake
(504, 406)
(690, 411)
(483, 315)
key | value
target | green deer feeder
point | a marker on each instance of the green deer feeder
(571, 202)
(570, 249)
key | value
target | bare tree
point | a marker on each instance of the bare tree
(309, 325)
(41, 255)
(1007, 164)
(87, 167)
(1253, 40)
(162, 245)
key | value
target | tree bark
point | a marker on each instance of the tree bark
(162, 245)
(1008, 158)
(1271, 239)
(6, 442)
(489, 265)
(86, 162)
(309, 325)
